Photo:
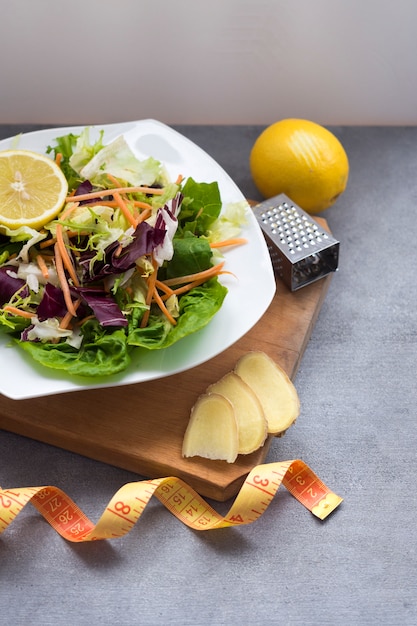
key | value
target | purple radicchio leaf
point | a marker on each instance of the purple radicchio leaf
(166, 220)
(83, 188)
(103, 306)
(174, 205)
(9, 284)
(145, 239)
(52, 303)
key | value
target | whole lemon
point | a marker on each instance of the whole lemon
(301, 159)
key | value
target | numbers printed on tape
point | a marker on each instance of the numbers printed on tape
(129, 502)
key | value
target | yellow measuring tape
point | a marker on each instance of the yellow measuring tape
(129, 502)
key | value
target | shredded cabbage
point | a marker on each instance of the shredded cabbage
(118, 159)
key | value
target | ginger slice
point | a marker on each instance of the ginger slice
(212, 431)
(251, 422)
(275, 391)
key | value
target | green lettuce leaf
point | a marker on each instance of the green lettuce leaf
(191, 255)
(103, 353)
(65, 146)
(201, 206)
(196, 309)
(107, 352)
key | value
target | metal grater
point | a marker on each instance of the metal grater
(301, 250)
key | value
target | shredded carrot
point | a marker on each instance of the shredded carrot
(152, 282)
(110, 203)
(179, 180)
(118, 250)
(63, 280)
(236, 241)
(124, 208)
(150, 293)
(167, 290)
(15, 311)
(185, 288)
(145, 318)
(58, 158)
(143, 215)
(85, 319)
(163, 308)
(42, 266)
(195, 283)
(66, 260)
(113, 180)
(69, 209)
(201, 278)
(110, 192)
(47, 243)
(70, 234)
(142, 205)
(65, 322)
(205, 274)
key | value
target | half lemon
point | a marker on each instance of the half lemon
(32, 189)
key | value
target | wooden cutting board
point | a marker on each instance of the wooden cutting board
(140, 427)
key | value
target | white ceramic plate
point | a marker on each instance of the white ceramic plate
(250, 290)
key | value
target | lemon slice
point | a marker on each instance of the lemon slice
(32, 189)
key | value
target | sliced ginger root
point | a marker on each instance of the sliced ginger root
(274, 389)
(212, 430)
(251, 422)
(237, 413)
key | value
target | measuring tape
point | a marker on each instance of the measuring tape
(129, 502)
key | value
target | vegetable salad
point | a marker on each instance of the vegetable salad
(131, 262)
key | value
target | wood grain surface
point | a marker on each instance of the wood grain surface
(140, 427)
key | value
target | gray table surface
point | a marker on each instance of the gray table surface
(357, 430)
